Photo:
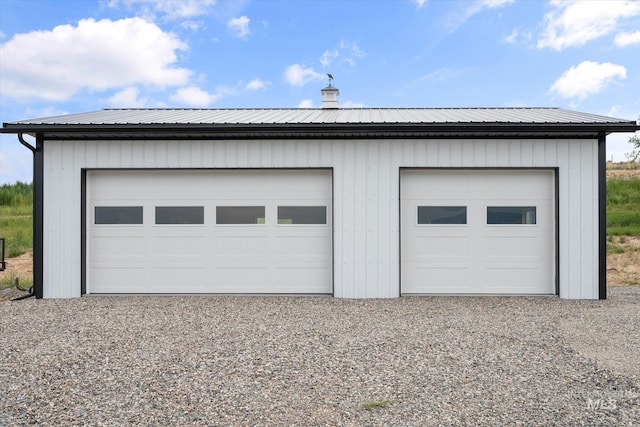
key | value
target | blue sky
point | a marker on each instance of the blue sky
(59, 57)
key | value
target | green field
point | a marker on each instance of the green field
(16, 218)
(623, 206)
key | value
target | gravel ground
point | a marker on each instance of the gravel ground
(412, 361)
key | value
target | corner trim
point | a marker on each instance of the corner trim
(83, 232)
(602, 216)
(38, 217)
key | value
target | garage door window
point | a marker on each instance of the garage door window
(302, 215)
(240, 215)
(179, 215)
(442, 214)
(118, 215)
(511, 214)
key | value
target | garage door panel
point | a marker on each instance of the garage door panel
(477, 257)
(512, 247)
(444, 246)
(118, 278)
(210, 257)
(236, 278)
(525, 280)
(305, 245)
(178, 245)
(112, 246)
(440, 279)
(289, 279)
(239, 246)
(184, 277)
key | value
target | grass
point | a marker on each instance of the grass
(623, 206)
(370, 405)
(16, 224)
(10, 281)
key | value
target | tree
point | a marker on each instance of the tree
(634, 155)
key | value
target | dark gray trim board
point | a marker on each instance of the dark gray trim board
(83, 232)
(38, 217)
(602, 216)
(556, 189)
(97, 133)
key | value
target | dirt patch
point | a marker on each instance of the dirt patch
(623, 268)
(622, 170)
(20, 267)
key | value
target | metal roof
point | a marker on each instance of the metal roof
(254, 122)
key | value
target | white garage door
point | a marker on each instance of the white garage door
(474, 232)
(241, 231)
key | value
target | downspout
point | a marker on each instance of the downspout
(26, 144)
(36, 289)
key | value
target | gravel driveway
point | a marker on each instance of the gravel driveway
(412, 361)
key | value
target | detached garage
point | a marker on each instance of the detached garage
(353, 202)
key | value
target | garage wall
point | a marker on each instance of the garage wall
(366, 197)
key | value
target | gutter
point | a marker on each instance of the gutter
(327, 127)
(237, 131)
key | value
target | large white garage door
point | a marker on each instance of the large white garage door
(240, 231)
(474, 232)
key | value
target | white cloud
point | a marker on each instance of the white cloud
(240, 26)
(351, 104)
(257, 84)
(574, 23)
(587, 78)
(511, 38)
(191, 25)
(94, 55)
(456, 19)
(350, 51)
(347, 51)
(419, 3)
(128, 98)
(171, 9)
(193, 96)
(297, 75)
(45, 112)
(182, 8)
(440, 75)
(328, 56)
(614, 110)
(306, 103)
(625, 39)
(517, 36)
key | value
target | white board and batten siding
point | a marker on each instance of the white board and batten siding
(366, 196)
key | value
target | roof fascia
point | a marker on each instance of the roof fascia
(327, 129)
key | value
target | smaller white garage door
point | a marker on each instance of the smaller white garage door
(240, 231)
(475, 232)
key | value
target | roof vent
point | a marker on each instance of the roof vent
(330, 95)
